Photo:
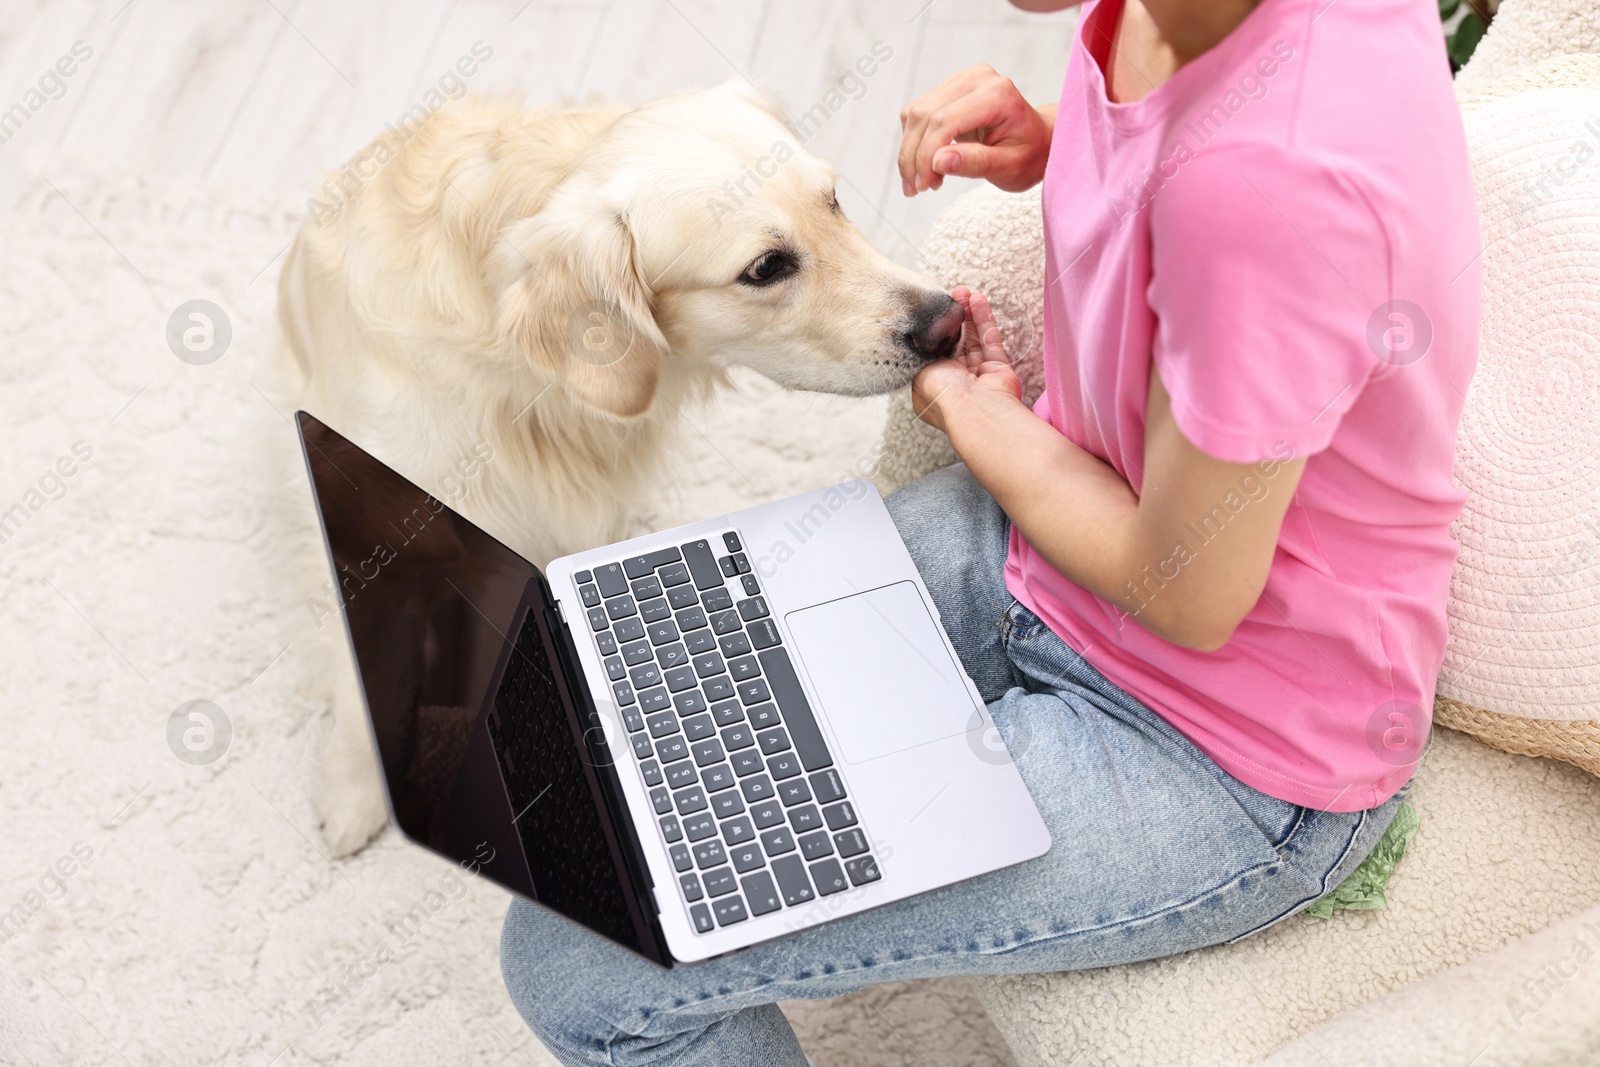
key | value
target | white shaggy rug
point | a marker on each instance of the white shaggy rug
(156, 911)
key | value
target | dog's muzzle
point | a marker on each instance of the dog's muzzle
(935, 327)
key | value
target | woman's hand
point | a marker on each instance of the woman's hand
(979, 370)
(998, 134)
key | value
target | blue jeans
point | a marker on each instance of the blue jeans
(1156, 850)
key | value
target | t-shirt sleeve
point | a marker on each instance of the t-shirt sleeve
(1266, 270)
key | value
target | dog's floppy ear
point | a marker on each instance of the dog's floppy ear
(571, 300)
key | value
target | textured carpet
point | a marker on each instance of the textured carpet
(157, 911)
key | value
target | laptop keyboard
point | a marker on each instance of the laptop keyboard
(752, 811)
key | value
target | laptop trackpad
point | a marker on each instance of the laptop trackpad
(879, 665)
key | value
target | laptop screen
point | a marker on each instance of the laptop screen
(447, 627)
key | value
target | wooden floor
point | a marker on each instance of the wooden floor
(219, 98)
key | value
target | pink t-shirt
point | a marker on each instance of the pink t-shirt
(1287, 228)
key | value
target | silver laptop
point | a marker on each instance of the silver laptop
(689, 742)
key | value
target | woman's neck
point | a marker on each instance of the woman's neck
(1153, 38)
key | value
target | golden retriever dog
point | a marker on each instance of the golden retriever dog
(529, 297)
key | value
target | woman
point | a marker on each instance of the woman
(1202, 581)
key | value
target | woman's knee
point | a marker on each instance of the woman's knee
(559, 983)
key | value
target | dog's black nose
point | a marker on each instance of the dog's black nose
(935, 327)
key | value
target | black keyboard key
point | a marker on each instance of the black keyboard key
(763, 633)
(598, 620)
(651, 771)
(827, 786)
(804, 818)
(707, 665)
(829, 877)
(718, 778)
(758, 787)
(661, 800)
(753, 692)
(698, 728)
(680, 775)
(815, 846)
(738, 736)
(690, 886)
(862, 870)
(747, 857)
(708, 752)
(702, 564)
(681, 860)
(589, 595)
(747, 762)
(709, 854)
(636, 653)
(727, 566)
(623, 692)
(702, 918)
(645, 589)
(588, 576)
(792, 880)
(614, 668)
(611, 580)
(763, 716)
(689, 702)
(803, 730)
(606, 643)
(620, 607)
(654, 610)
(645, 675)
(738, 831)
(662, 724)
(727, 712)
(741, 562)
(767, 814)
(731, 539)
(680, 678)
(783, 765)
(637, 566)
(718, 688)
(693, 799)
(839, 816)
(700, 826)
(718, 599)
(850, 842)
(670, 828)
(751, 586)
(683, 596)
(673, 655)
(653, 700)
(743, 668)
(629, 629)
(777, 841)
(690, 619)
(726, 805)
(672, 749)
(729, 910)
(773, 741)
(673, 574)
(700, 641)
(633, 719)
(720, 882)
(725, 622)
(753, 609)
(760, 892)
(662, 632)
(794, 791)
(641, 745)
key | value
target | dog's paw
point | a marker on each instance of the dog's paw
(349, 802)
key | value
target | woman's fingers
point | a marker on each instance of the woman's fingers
(914, 119)
(980, 108)
(991, 339)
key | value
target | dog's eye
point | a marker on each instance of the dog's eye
(769, 268)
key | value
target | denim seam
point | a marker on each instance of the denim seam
(1322, 883)
(887, 965)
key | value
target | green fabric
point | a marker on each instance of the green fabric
(1363, 890)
